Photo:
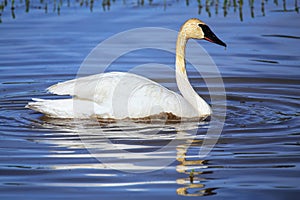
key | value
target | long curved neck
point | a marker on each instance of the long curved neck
(182, 80)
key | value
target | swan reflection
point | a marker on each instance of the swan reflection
(136, 148)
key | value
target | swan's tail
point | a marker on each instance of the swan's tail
(64, 108)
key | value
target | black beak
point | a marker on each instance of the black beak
(210, 36)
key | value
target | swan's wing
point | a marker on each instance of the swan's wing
(125, 95)
(77, 87)
(113, 95)
(100, 88)
(154, 99)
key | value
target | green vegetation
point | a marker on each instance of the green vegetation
(209, 6)
(192, 176)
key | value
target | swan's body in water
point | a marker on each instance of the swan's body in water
(120, 95)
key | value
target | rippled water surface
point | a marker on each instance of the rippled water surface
(257, 155)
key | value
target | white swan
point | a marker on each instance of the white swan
(119, 95)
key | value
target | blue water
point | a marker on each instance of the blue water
(257, 155)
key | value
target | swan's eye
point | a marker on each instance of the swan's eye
(204, 27)
(206, 30)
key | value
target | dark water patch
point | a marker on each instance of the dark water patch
(269, 57)
(267, 61)
(282, 36)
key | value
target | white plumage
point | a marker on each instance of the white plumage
(115, 95)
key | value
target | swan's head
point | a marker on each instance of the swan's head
(196, 29)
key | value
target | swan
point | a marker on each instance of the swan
(121, 95)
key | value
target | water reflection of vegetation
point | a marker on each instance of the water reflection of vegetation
(192, 185)
(209, 6)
